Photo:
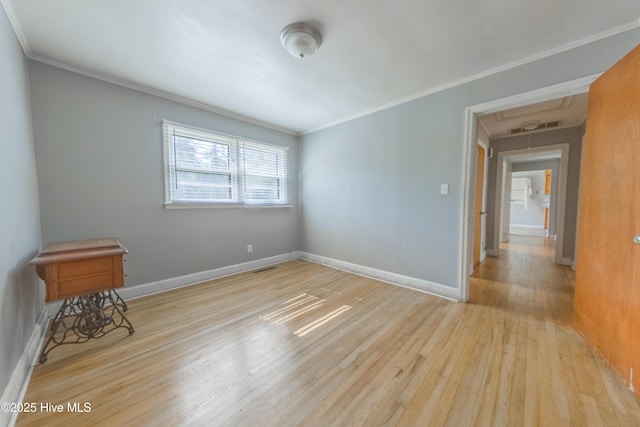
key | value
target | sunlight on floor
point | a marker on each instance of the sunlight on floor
(298, 306)
(321, 321)
(295, 307)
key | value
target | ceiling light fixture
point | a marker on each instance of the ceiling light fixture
(530, 125)
(300, 39)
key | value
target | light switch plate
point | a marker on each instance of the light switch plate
(444, 188)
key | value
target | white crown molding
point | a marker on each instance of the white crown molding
(161, 94)
(15, 24)
(612, 32)
(197, 104)
(207, 107)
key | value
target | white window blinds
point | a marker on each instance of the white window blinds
(206, 167)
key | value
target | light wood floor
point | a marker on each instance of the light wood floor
(303, 344)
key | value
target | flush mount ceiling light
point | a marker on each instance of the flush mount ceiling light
(530, 125)
(300, 39)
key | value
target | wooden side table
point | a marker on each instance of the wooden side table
(85, 274)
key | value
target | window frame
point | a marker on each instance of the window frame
(237, 173)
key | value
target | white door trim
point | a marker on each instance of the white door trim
(563, 170)
(483, 208)
(469, 154)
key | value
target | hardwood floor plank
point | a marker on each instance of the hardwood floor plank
(280, 348)
(532, 378)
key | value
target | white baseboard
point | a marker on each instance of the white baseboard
(566, 261)
(386, 276)
(138, 291)
(17, 386)
(527, 230)
(19, 380)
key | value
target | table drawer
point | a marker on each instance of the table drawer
(70, 270)
(85, 284)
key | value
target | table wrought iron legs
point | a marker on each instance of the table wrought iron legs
(82, 318)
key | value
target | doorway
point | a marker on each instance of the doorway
(540, 155)
(511, 202)
(469, 203)
(534, 208)
(528, 200)
(480, 227)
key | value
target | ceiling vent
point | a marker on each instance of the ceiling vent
(546, 125)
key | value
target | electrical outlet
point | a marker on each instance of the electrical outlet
(444, 188)
(249, 249)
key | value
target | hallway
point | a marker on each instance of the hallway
(535, 296)
(524, 279)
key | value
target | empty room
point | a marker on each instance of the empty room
(299, 213)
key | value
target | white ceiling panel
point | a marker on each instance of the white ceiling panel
(227, 54)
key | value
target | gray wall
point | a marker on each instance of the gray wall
(100, 169)
(370, 186)
(573, 136)
(21, 295)
(371, 189)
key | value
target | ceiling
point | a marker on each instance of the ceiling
(226, 55)
(557, 113)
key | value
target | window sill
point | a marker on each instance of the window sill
(219, 206)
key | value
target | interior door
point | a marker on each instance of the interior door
(607, 290)
(547, 196)
(479, 217)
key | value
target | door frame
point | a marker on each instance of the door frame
(485, 187)
(563, 171)
(469, 154)
(504, 169)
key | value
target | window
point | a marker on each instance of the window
(203, 167)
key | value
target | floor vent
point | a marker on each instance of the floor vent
(265, 269)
